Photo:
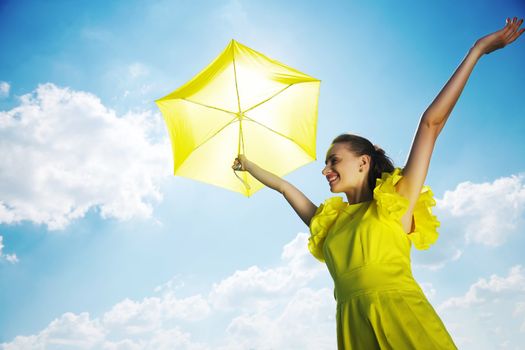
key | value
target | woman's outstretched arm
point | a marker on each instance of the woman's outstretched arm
(436, 115)
(299, 202)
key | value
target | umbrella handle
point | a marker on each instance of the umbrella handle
(244, 182)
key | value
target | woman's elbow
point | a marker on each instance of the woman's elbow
(432, 123)
(429, 120)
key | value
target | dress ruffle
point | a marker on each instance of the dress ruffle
(321, 222)
(426, 224)
(392, 206)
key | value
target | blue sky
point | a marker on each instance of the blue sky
(102, 248)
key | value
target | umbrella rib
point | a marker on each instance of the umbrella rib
(241, 136)
(203, 105)
(235, 79)
(274, 131)
(268, 99)
(218, 131)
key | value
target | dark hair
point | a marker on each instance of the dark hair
(379, 163)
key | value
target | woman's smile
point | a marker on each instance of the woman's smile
(332, 178)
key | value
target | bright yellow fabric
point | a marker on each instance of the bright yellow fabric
(367, 252)
(242, 103)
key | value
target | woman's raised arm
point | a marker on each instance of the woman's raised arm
(299, 202)
(436, 115)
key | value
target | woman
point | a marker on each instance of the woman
(366, 241)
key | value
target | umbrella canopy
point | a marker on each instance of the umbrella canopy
(242, 103)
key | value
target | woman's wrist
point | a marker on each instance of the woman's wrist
(476, 51)
(248, 165)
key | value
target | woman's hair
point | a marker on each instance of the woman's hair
(379, 163)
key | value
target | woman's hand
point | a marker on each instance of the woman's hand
(501, 38)
(240, 163)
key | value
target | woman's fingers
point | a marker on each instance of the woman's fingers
(515, 32)
(511, 30)
(515, 35)
(516, 24)
(237, 165)
(506, 31)
(511, 23)
(508, 23)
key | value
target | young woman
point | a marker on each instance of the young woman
(366, 241)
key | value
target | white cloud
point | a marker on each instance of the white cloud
(491, 212)
(64, 153)
(484, 290)
(478, 316)
(4, 89)
(12, 258)
(72, 331)
(305, 321)
(68, 331)
(132, 317)
(278, 318)
(172, 339)
(244, 288)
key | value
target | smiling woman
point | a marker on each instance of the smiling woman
(366, 241)
(357, 145)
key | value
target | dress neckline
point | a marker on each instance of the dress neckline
(353, 207)
(350, 205)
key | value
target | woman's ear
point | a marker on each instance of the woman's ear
(364, 160)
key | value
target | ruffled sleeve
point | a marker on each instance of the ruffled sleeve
(391, 206)
(321, 222)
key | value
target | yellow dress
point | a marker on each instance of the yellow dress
(367, 251)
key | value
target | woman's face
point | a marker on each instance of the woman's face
(342, 168)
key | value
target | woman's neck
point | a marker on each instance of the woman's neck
(358, 195)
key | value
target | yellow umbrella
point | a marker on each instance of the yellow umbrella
(242, 103)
